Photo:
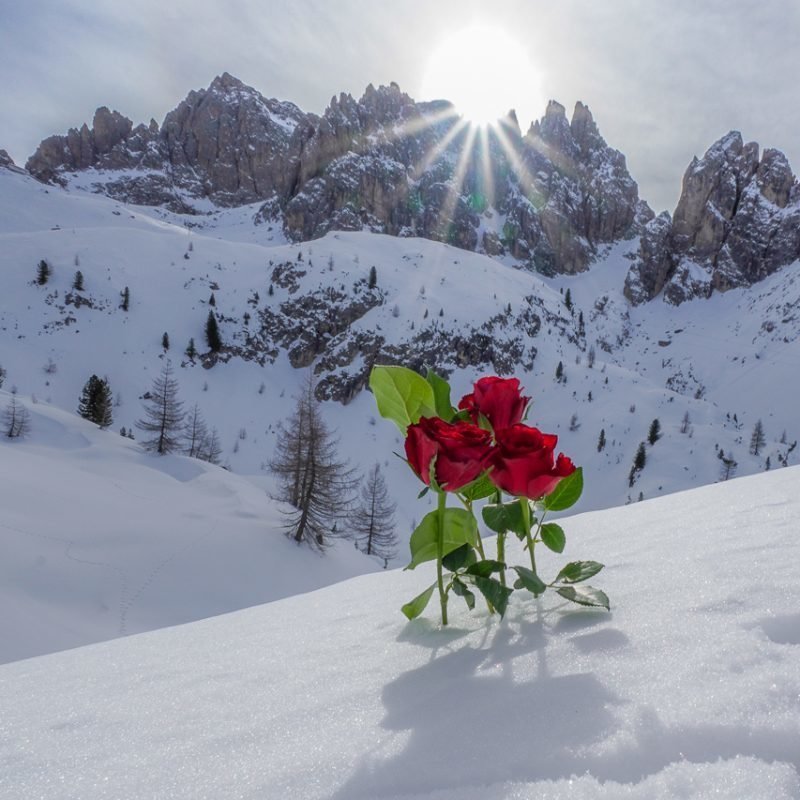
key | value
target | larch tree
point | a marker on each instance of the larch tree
(372, 520)
(164, 414)
(312, 479)
(95, 402)
(195, 433)
(16, 419)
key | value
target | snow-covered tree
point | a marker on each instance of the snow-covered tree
(195, 433)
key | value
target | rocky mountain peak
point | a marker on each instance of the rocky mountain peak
(383, 162)
(735, 223)
(5, 160)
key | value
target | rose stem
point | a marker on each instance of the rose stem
(468, 506)
(526, 523)
(440, 553)
(501, 543)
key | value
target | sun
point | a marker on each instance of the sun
(483, 71)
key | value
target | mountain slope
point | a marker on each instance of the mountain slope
(689, 688)
(101, 540)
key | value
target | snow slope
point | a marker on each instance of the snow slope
(689, 688)
(725, 362)
(100, 539)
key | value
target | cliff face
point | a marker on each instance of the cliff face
(549, 198)
(737, 221)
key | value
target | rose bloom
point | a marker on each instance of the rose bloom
(462, 451)
(498, 399)
(524, 462)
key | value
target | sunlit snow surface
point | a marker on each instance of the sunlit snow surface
(689, 688)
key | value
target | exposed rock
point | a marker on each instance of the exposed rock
(737, 221)
(6, 160)
(382, 163)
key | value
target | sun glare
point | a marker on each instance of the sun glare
(483, 72)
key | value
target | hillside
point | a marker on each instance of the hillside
(464, 313)
(689, 688)
(101, 540)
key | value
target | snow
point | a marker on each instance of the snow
(100, 539)
(689, 688)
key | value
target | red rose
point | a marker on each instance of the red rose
(524, 462)
(462, 451)
(498, 399)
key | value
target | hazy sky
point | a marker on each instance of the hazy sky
(663, 79)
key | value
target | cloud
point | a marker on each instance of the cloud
(664, 80)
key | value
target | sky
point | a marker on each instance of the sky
(664, 80)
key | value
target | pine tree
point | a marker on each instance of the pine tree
(372, 519)
(757, 440)
(42, 272)
(654, 434)
(559, 372)
(95, 403)
(373, 277)
(591, 355)
(312, 479)
(165, 341)
(639, 461)
(126, 299)
(212, 333)
(581, 325)
(3, 374)
(601, 442)
(568, 300)
(163, 413)
(685, 423)
(195, 433)
(212, 301)
(16, 419)
(573, 423)
(77, 281)
(191, 350)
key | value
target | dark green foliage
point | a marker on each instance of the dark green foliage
(639, 461)
(568, 299)
(77, 281)
(165, 340)
(191, 350)
(126, 299)
(212, 333)
(757, 440)
(373, 277)
(95, 403)
(212, 301)
(43, 273)
(654, 434)
(560, 372)
(601, 442)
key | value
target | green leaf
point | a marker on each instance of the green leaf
(577, 571)
(460, 588)
(485, 568)
(441, 394)
(494, 592)
(553, 537)
(459, 558)
(479, 489)
(567, 492)
(413, 608)
(529, 580)
(423, 492)
(585, 596)
(459, 528)
(402, 395)
(502, 517)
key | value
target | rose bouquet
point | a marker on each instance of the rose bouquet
(478, 452)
